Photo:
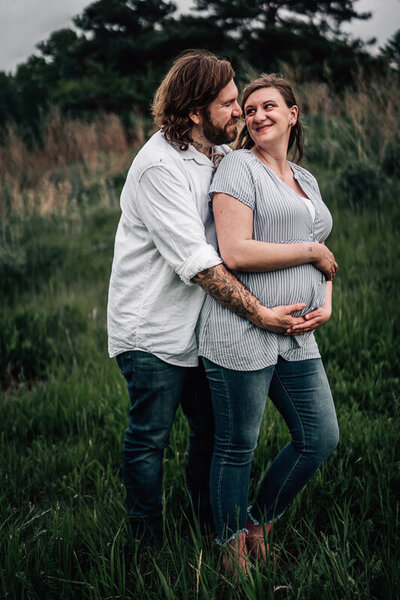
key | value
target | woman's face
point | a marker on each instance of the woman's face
(268, 118)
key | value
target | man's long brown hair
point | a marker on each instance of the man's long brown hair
(296, 139)
(193, 82)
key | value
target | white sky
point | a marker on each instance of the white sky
(24, 23)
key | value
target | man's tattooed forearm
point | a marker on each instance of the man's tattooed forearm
(230, 292)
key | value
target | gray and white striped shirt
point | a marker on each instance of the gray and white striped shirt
(280, 216)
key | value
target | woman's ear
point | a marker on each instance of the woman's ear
(294, 111)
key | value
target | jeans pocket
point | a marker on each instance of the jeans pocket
(125, 363)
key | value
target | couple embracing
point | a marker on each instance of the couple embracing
(220, 254)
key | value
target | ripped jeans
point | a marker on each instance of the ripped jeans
(300, 391)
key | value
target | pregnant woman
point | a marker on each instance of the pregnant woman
(271, 224)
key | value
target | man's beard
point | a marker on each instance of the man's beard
(218, 135)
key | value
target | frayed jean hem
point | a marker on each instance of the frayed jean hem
(223, 543)
(258, 523)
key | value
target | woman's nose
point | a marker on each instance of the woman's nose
(259, 115)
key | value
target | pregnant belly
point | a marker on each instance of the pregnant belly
(304, 283)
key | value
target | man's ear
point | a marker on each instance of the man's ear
(195, 116)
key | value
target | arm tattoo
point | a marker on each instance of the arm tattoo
(219, 283)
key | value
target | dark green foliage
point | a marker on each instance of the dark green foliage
(326, 152)
(122, 48)
(361, 184)
(117, 182)
(391, 157)
(31, 341)
(12, 268)
(266, 34)
(27, 267)
(326, 14)
(62, 48)
(119, 61)
(391, 50)
(8, 98)
(34, 84)
(35, 332)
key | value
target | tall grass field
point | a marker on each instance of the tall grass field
(64, 406)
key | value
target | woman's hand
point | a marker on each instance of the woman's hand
(316, 317)
(279, 319)
(324, 260)
(312, 320)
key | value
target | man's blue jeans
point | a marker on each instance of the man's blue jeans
(300, 391)
(155, 390)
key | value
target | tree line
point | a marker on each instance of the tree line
(116, 54)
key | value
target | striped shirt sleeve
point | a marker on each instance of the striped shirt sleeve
(235, 177)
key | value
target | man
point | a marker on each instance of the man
(164, 262)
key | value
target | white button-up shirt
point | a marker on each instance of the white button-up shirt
(164, 238)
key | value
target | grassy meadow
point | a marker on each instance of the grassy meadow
(63, 408)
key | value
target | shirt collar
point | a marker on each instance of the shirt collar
(192, 154)
(217, 153)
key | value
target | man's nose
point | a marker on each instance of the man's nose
(237, 111)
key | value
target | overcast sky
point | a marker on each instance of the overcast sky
(24, 23)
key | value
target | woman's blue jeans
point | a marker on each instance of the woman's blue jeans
(300, 391)
(155, 390)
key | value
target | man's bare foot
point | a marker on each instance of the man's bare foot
(235, 559)
(256, 540)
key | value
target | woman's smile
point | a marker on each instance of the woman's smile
(263, 127)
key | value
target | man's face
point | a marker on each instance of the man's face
(219, 119)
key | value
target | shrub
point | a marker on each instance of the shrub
(391, 158)
(361, 184)
(326, 152)
(29, 266)
(31, 339)
(12, 269)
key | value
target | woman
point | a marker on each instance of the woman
(271, 223)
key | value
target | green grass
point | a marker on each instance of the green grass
(63, 532)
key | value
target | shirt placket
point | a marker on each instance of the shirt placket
(311, 195)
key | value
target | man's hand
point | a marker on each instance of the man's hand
(223, 286)
(279, 319)
(324, 260)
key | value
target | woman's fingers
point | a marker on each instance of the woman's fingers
(306, 326)
(309, 318)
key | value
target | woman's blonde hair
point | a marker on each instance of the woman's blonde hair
(296, 138)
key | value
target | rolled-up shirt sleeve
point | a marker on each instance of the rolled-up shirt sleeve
(167, 208)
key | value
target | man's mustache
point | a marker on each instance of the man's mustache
(232, 121)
